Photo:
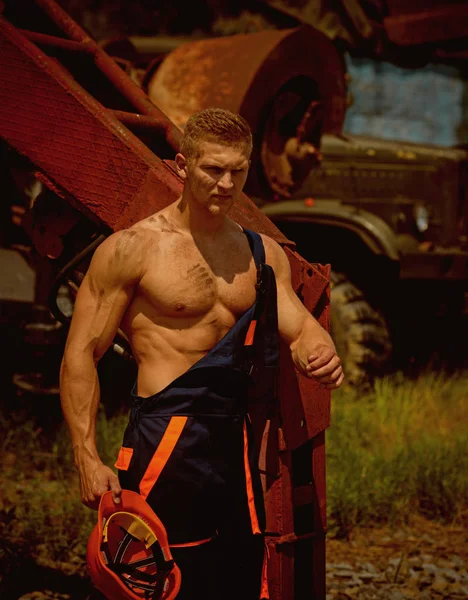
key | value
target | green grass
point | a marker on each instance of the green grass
(399, 449)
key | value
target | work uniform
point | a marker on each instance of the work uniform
(188, 450)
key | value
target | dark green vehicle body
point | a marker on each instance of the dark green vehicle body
(392, 219)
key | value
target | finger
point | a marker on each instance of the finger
(321, 357)
(325, 370)
(336, 384)
(116, 490)
(318, 363)
(91, 503)
(88, 495)
(332, 377)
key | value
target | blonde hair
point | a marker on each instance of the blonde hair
(214, 125)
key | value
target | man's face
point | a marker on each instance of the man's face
(216, 177)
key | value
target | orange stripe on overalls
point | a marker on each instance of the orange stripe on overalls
(248, 481)
(249, 338)
(162, 454)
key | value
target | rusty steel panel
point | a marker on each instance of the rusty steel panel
(212, 72)
(306, 411)
(46, 116)
(304, 414)
(244, 72)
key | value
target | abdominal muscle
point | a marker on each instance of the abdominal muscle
(163, 353)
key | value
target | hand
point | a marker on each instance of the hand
(324, 365)
(95, 479)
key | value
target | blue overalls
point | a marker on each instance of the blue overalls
(188, 450)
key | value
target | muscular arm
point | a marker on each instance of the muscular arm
(100, 305)
(312, 349)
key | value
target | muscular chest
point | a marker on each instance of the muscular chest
(189, 283)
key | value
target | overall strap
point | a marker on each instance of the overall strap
(264, 319)
(256, 246)
(258, 253)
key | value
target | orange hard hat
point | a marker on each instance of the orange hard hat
(128, 554)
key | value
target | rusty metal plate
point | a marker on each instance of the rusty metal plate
(244, 72)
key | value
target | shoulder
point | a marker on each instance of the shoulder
(275, 256)
(122, 255)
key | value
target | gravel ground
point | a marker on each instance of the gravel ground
(422, 561)
(425, 560)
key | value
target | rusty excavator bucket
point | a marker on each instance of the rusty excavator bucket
(104, 152)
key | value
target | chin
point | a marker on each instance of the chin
(219, 209)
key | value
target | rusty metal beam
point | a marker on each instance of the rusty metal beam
(44, 40)
(113, 72)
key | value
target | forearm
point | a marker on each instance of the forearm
(308, 335)
(312, 349)
(79, 391)
(80, 397)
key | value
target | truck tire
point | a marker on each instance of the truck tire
(359, 331)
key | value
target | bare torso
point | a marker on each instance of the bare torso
(191, 292)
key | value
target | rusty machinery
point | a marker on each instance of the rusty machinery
(389, 216)
(103, 152)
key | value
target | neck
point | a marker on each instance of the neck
(196, 219)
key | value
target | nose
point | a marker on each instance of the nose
(225, 181)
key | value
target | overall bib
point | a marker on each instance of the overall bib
(188, 450)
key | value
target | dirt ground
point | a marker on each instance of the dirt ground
(378, 546)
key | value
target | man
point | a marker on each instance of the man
(188, 287)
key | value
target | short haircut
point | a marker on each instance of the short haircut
(214, 125)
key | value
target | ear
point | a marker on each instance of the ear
(181, 165)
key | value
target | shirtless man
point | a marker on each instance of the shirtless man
(178, 283)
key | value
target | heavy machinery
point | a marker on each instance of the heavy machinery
(71, 117)
(390, 217)
(356, 203)
(102, 152)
